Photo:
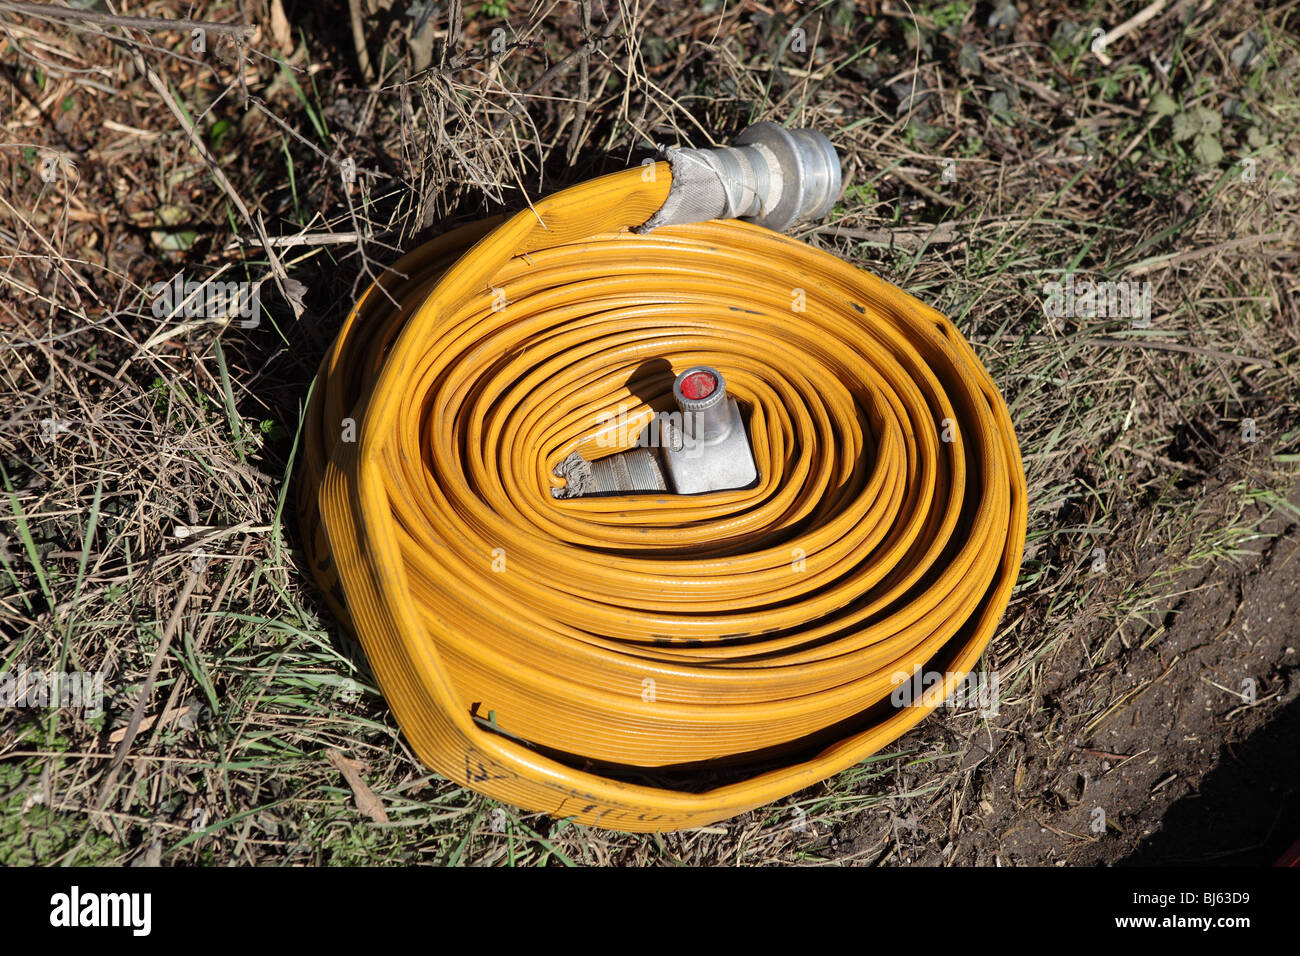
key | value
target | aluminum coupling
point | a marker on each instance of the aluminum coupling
(772, 176)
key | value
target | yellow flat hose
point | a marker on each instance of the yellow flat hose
(651, 662)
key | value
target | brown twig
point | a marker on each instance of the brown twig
(584, 91)
(1136, 343)
(558, 70)
(49, 11)
(359, 41)
(277, 267)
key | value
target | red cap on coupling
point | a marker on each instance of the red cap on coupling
(698, 385)
(701, 394)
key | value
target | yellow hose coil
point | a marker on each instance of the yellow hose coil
(652, 662)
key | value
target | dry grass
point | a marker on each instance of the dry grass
(145, 461)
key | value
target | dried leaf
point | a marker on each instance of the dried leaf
(295, 291)
(117, 736)
(367, 802)
(281, 32)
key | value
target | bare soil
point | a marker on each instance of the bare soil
(1184, 769)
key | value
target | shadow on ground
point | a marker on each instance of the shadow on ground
(1246, 811)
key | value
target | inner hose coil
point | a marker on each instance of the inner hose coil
(651, 662)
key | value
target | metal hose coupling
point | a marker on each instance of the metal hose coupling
(772, 176)
(701, 447)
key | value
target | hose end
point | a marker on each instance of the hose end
(802, 172)
(772, 176)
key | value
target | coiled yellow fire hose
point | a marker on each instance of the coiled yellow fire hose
(653, 662)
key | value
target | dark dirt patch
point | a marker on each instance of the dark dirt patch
(1185, 736)
(1154, 755)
